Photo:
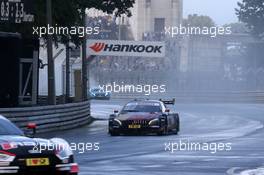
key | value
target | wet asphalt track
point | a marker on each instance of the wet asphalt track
(238, 124)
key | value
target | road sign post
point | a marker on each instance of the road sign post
(51, 74)
(84, 62)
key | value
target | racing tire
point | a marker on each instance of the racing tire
(178, 123)
(176, 132)
(163, 132)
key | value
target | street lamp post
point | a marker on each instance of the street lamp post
(84, 61)
(67, 77)
(51, 78)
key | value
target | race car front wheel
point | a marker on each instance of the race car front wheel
(177, 123)
(163, 132)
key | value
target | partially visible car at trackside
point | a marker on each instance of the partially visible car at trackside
(145, 116)
(99, 94)
(24, 155)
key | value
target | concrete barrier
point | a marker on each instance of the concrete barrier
(50, 118)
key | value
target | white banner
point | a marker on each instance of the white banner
(125, 48)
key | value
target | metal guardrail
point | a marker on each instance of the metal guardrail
(50, 118)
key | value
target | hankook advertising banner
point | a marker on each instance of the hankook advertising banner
(126, 48)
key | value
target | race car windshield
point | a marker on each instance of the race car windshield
(141, 108)
(7, 128)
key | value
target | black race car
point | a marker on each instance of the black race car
(145, 116)
(33, 156)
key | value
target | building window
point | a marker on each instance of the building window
(159, 25)
(148, 3)
(174, 3)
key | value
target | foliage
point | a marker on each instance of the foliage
(238, 27)
(198, 21)
(251, 12)
(67, 13)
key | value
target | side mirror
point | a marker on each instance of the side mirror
(167, 110)
(116, 111)
(33, 128)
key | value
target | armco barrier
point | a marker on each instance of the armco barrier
(50, 118)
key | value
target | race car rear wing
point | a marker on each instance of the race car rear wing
(168, 102)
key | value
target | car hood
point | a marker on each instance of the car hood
(138, 116)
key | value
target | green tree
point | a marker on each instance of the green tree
(118, 7)
(67, 13)
(238, 27)
(64, 14)
(198, 21)
(251, 12)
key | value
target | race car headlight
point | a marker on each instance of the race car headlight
(118, 121)
(6, 156)
(154, 122)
